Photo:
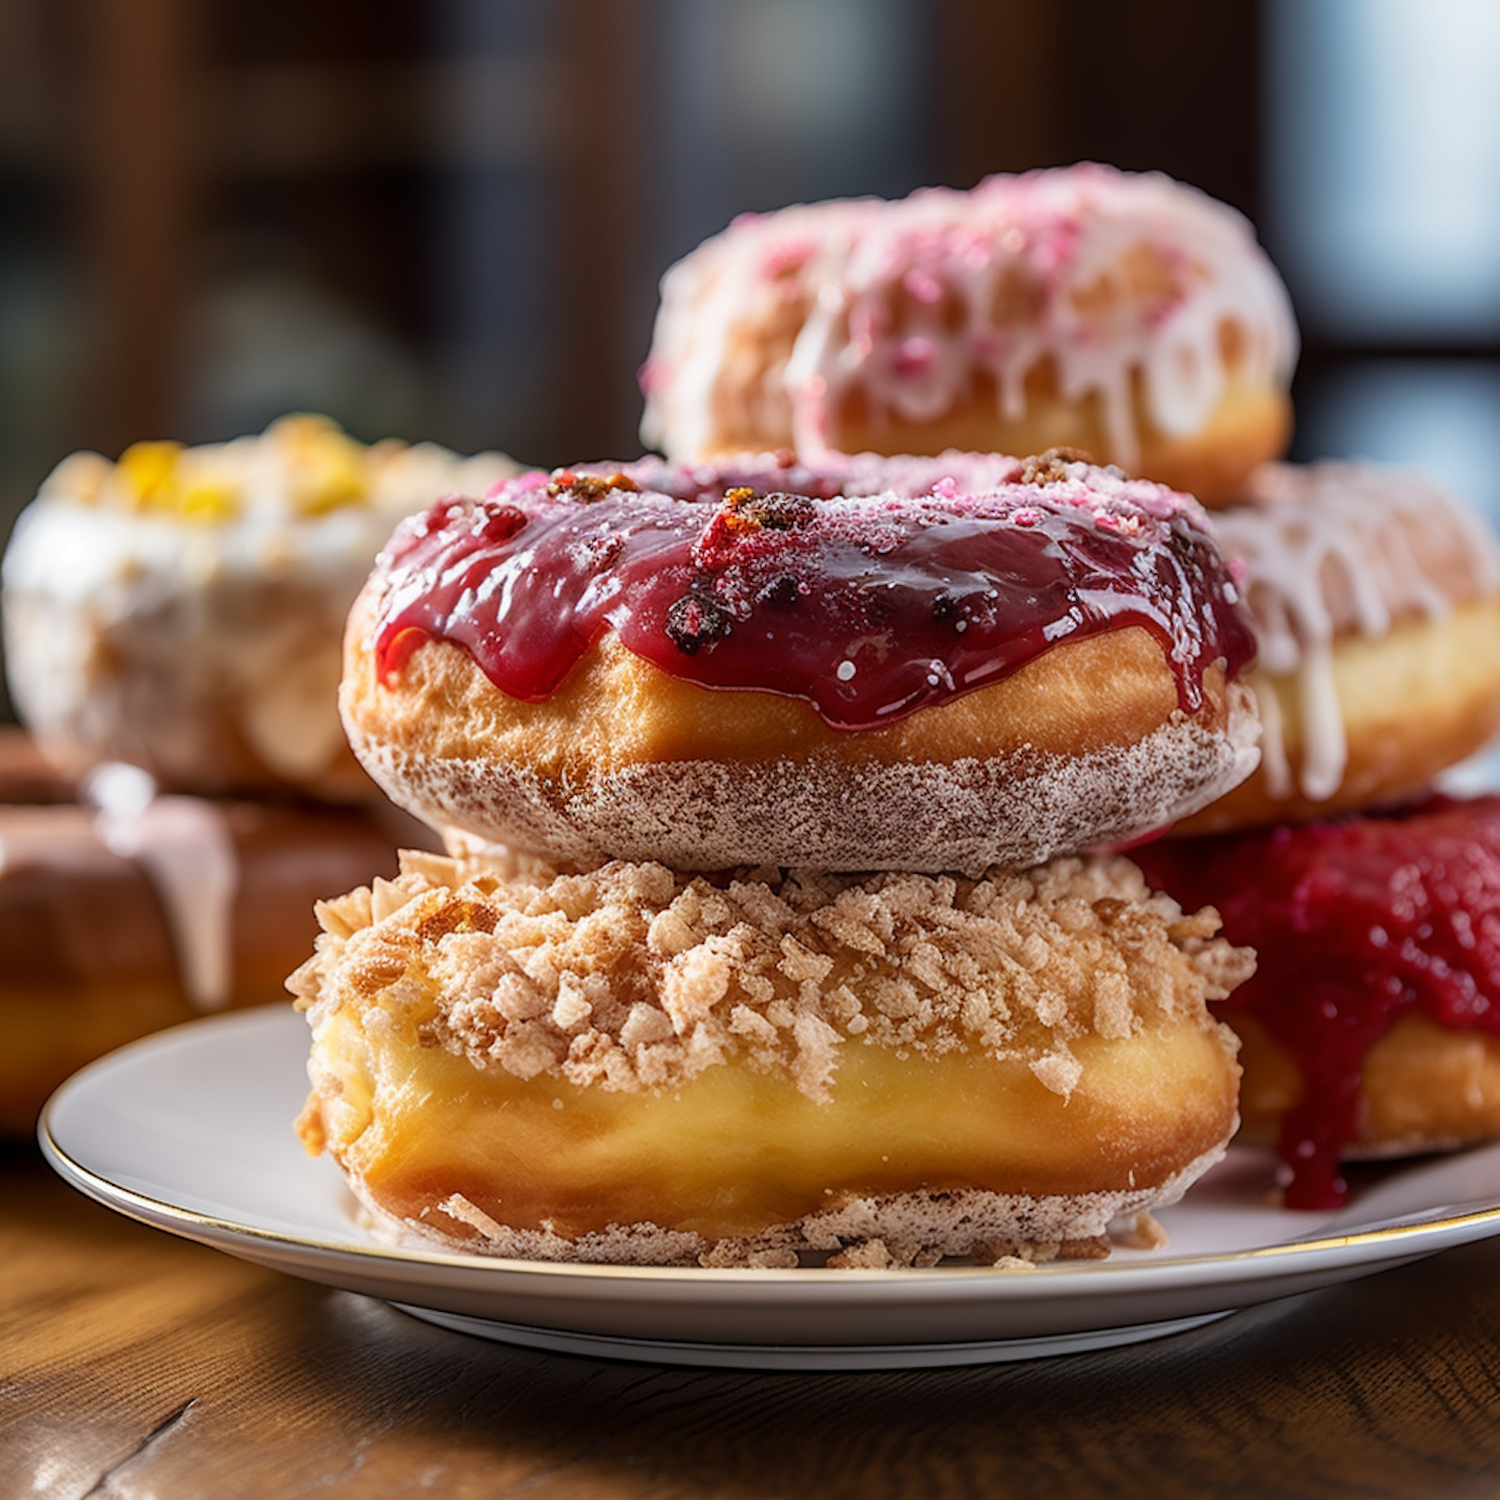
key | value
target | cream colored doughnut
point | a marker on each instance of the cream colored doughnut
(1376, 602)
(697, 742)
(634, 1065)
(182, 609)
(1126, 315)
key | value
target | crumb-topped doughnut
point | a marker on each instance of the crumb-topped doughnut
(1375, 597)
(1124, 314)
(1372, 1024)
(182, 609)
(631, 1064)
(926, 664)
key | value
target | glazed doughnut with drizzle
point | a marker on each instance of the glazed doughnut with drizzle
(1375, 597)
(1123, 314)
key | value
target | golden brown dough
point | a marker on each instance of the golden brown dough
(1424, 1087)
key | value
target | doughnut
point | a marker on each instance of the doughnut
(122, 912)
(632, 1064)
(1123, 314)
(1375, 597)
(915, 664)
(181, 610)
(1372, 1024)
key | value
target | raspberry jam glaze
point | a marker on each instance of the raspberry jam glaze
(1356, 924)
(906, 593)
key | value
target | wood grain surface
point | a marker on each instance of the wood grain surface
(133, 1364)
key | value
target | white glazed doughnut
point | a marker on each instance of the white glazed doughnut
(182, 609)
(1375, 597)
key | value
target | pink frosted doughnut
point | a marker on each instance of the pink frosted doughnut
(1126, 315)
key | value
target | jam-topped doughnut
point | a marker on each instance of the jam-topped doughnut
(631, 1064)
(1372, 1023)
(182, 609)
(925, 664)
(1375, 597)
(1123, 314)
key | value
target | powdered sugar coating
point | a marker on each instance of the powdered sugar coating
(1071, 479)
(1015, 1231)
(962, 815)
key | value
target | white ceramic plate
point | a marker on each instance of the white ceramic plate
(191, 1131)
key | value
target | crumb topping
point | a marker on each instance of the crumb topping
(589, 486)
(635, 978)
(1055, 466)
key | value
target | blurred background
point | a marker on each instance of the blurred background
(447, 218)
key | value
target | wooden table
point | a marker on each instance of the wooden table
(133, 1364)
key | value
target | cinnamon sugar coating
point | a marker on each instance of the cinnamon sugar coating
(1083, 746)
(635, 978)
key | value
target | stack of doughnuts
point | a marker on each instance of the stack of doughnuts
(1137, 319)
(183, 792)
(767, 928)
(772, 922)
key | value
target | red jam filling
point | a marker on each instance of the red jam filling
(1356, 924)
(867, 608)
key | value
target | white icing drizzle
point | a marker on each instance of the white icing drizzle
(1338, 549)
(1273, 759)
(184, 847)
(906, 301)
